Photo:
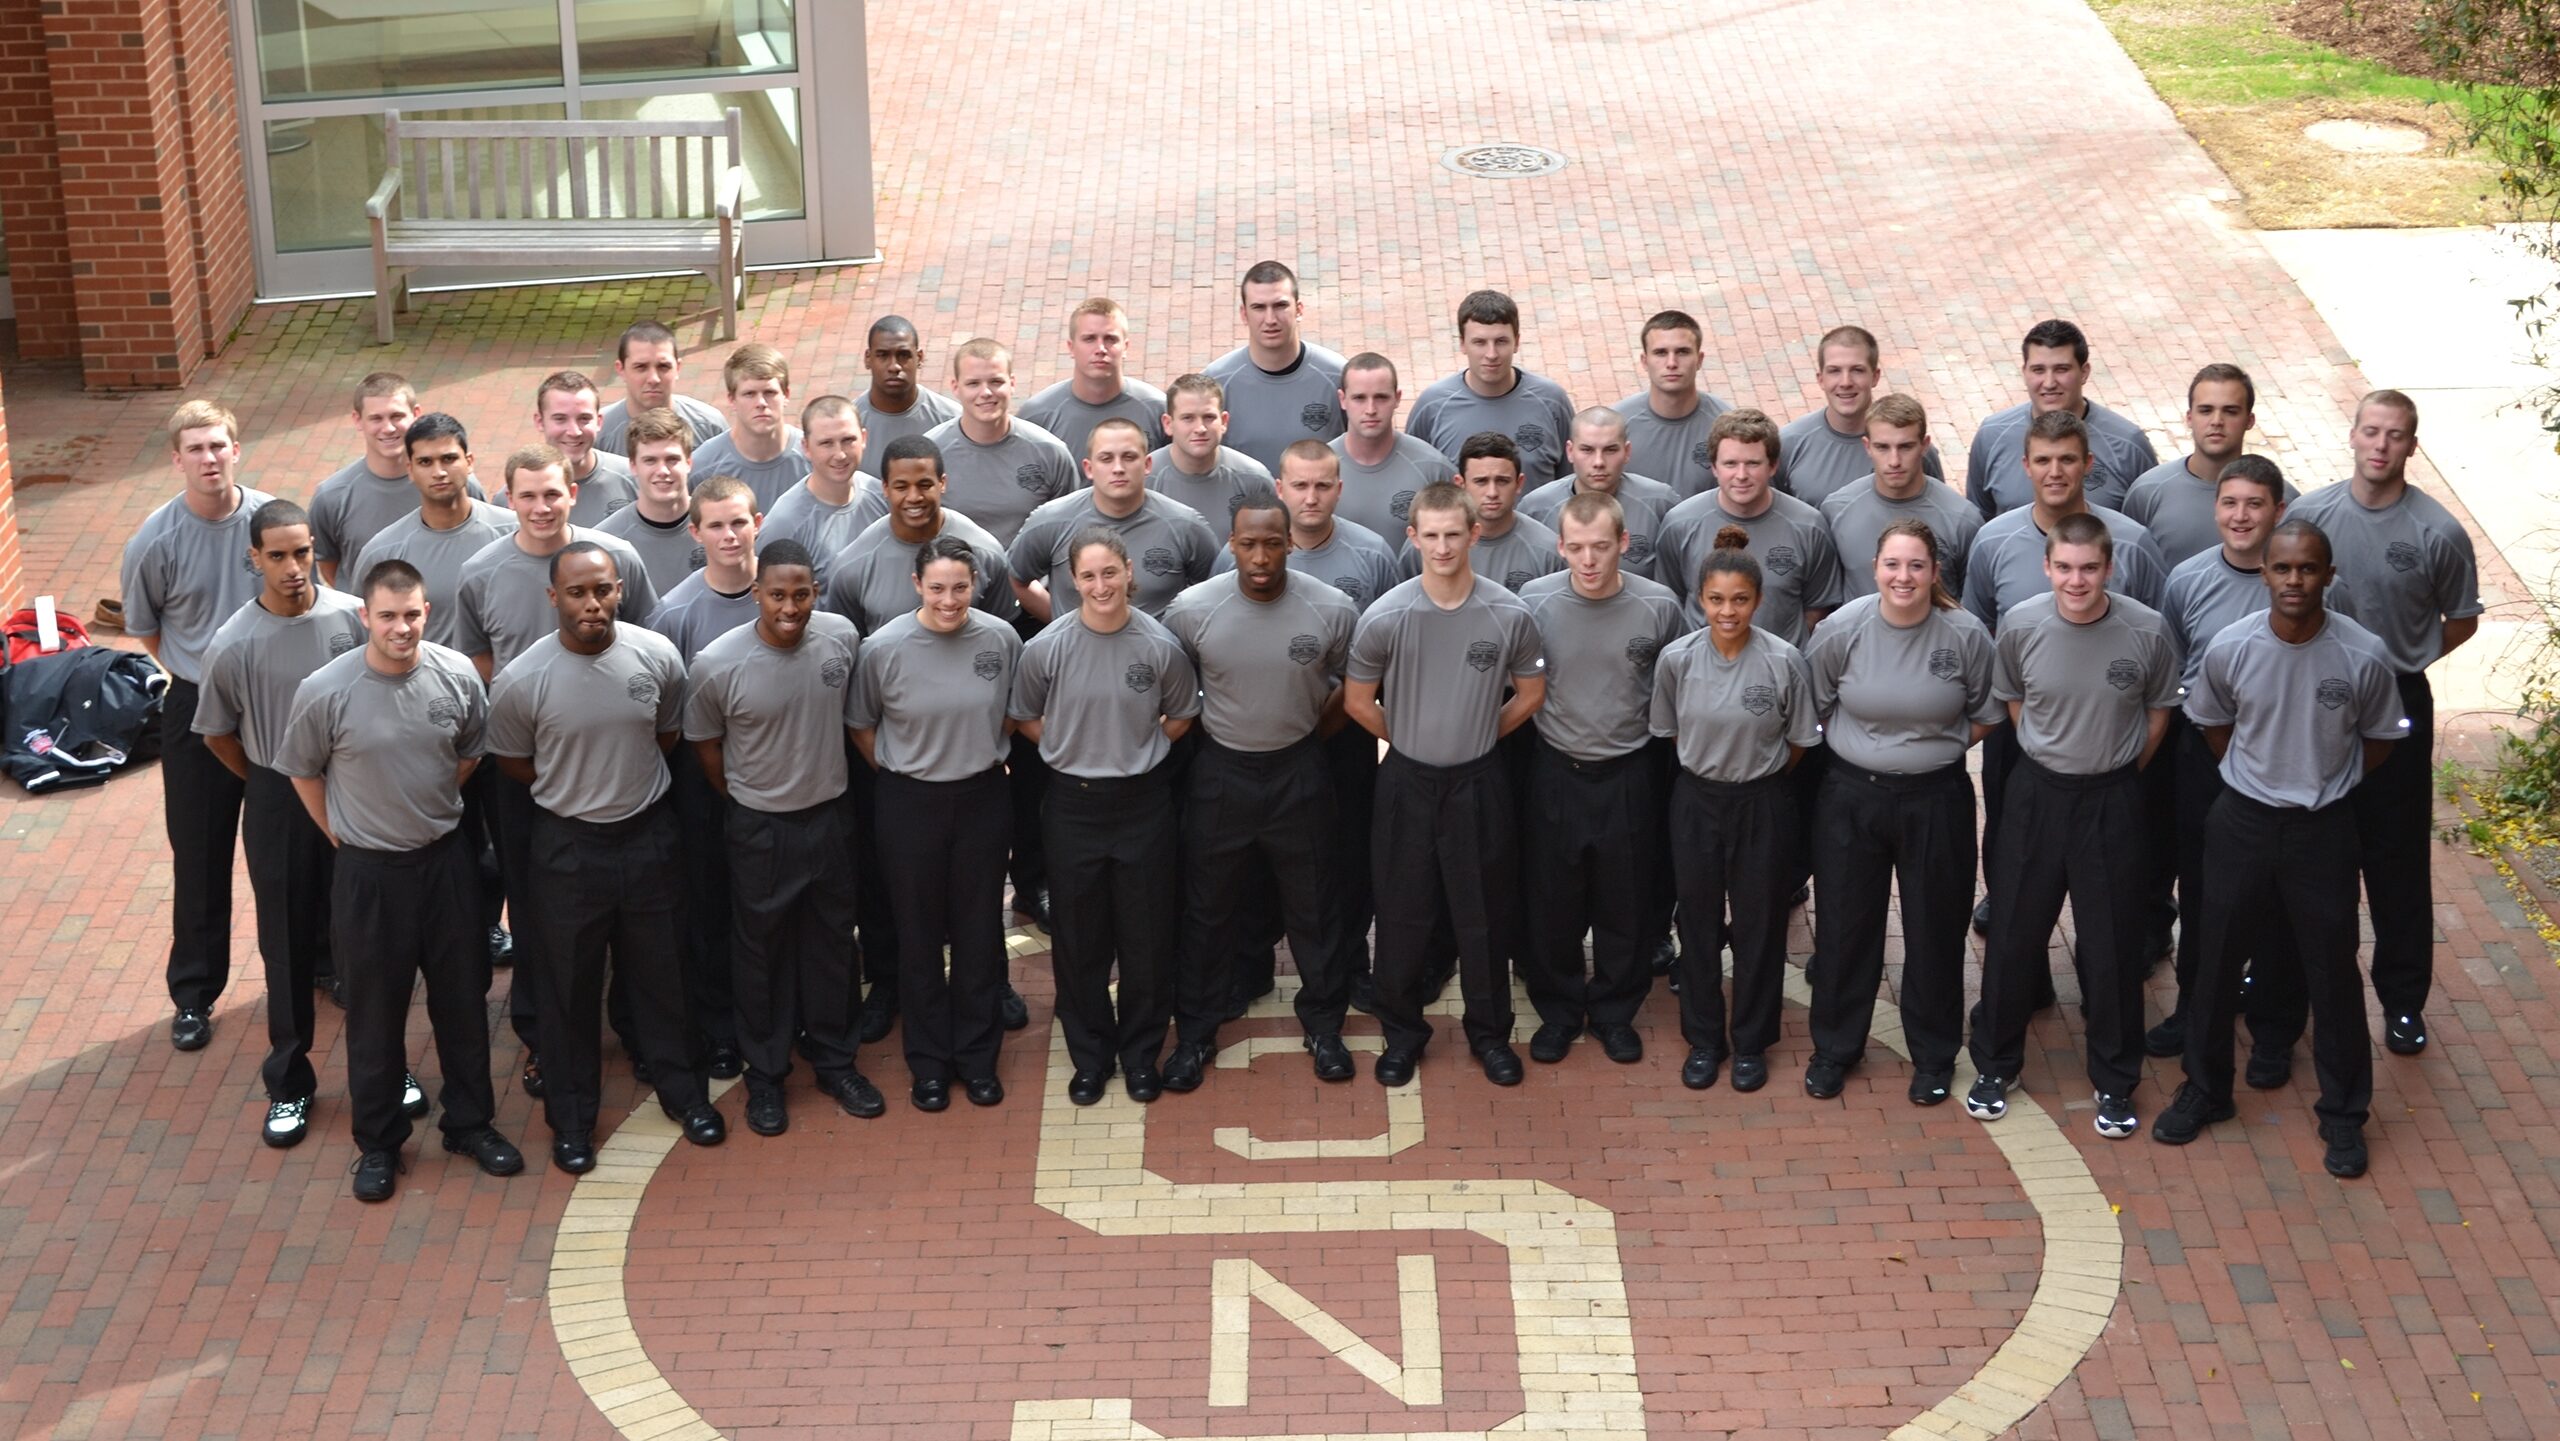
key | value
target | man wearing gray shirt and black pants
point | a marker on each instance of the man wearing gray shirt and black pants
(1599, 452)
(2089, 680)
(257, 660)
(2054, 364)
(1270, 649)
(895, 406)
(766, 711)
(1280, 388)
(2418, 590)
(185, 572)
(584, 719)
(1827, 449)
(1668, 420)
(1896, 485)
(1170, 543)
(1383, 468)
(2301, 705)
(1099, 388)
(1442, 648)
(1002, 467)
(1492, 393)
(2174, 500)
(1194, 465)
(378, 745)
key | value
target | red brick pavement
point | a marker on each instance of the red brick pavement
(1774, 168)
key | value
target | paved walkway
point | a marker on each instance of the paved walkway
(1599, 1252)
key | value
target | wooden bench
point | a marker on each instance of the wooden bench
(598, 194)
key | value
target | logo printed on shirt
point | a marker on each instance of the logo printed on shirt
(1355, 588)
(1698, 456)
(1532, 436)
(643, 691)
(1031, 477)
(1304, 649)
(1512, 580)
(1641, 651)
(833, 670)
(1944, 663)
(1401, 506)
(1160, 560)
(988, 664)
(2123, 674)
(1781, 560)
(341, 643)
(1483, 654)
(2402, 555)
(445, 713)
(1759, 699)
(1140, 676)
(697, 558)
(1639, 549)
(1315, 415)
(2332, 693)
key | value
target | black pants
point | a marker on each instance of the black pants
(1591, 834)
(941, 847)
(480, 837)
(1870, 831)
(1030, 779)
(2274, 1003)
(1732, 849)
(2262, 861)
(1114, 892)
(703, 815)
(289, 869)
(1351, 753)
(1999, 756)
(1445, 842)
(512, 814)
(397, 915)
(1247, 816)
(2395, 813)
(875, 954)
(610, 887)
(2157, 907)
(2084, 836)
(1806, 781)
(200, 802)
(792, 894)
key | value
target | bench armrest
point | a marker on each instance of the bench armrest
(733, 186)
(378, 205)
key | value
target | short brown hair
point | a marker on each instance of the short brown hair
(754, 360)
(1116, 422)
(1268, 272)
(1857, 335)
(1312, 450)
(982, 348)
(2056, 425)
(562, 382)
(658, 426)
(202, 415)
(1445, 498)
(2081, 528)
(719, 488)
(1370, 360)
(532, 457)
(2223, 372)
(1096, 305)
(1898, 410)
(1751, 427)
(829, 407)
(382, 383)
(2392, 399)
(1670, 320)
(1194, 384)
(1488, 307)
(1590, 506)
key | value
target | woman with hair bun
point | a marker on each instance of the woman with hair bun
(1737, 703)
(1903, 681)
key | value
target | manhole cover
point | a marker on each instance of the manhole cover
(2364, 137)
(1503, 160)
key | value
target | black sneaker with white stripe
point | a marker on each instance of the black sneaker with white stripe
(1989, 1098)
(2116, 1118)
(287, 1122)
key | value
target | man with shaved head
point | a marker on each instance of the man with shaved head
(1598, 452)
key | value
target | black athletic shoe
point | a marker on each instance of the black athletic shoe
(2346, 1157)
(1750, 1072)
(1824, 1078)
(1333, 1059)
(767, 1113)
(1187, 1067)
(855, 1094)
(1699, 1071)
(287, 1122)
(726, 1063)
(413, 1097)
(1930, 1088)
(575, 1154)
(1501, 1064)
(1551, 1042)
(531, 1080)
(192, 1030)
(334, 986)
(1033, 906)
(1142, 1083)
(377, 1175)
(1663, 955)
(1619, 1042)
(1800, 895)
(1364, 994)
(2404, 1036)
(1989, 1098)
(502, 947)
(2269, 1067)
(876, 1022)
(1982, 917)
(2189, 1112)
(2116, 1117)
(1395, 1068)
(493, 1153)
(2169, 1038)
(1010, 1010)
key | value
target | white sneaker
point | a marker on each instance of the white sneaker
(413, 1097)
(287, 1122)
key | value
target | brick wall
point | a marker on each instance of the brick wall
(31, 190)
(217, 177)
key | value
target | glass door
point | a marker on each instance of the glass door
(322, 72)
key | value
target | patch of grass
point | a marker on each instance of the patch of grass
(2233, 52)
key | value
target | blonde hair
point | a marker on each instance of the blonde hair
(653, 427)
(202, 415)
(982, 348)
(755, 361)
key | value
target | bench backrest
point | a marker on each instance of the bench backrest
(560, 169)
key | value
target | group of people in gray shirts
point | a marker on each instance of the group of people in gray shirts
(748, 728)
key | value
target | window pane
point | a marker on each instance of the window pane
(313, 49)
(319, 172)
(772, 124)
(657, 39)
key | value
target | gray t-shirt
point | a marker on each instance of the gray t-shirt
(1510, 560)
(504, 598)
(1378, 496)
(872, 581)
(825, 529)
(1535, 412)
(1815, 461)
(1442, 673)
(1672, 451)
(352, 506)
(439, 556)
(2007, 564)
(778, 714)
(183, 576)
(2207, 593)
(1265, 667)
(668, 552)
(767, 478)
(607, 488)
(1858, 515)
(1099, 698)
(1058, 411)
(1268, 409)
(704, 419)
(2299, 714)
(1600, 657)
(1995, 472)
(1170, 548)
(1733, 720)
(936, 702)
(2411, 563)
(2177, 509)
(2085, 691)
(1643, 500)
(930, 412)
(1902, 700)
(1353, 560)
(693, 615)
(258, 659)
(1232, 476)
(999, 485)
(388, 745)
(591, 722)
(1799, 568)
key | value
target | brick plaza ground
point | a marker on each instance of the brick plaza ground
(1945, 175)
